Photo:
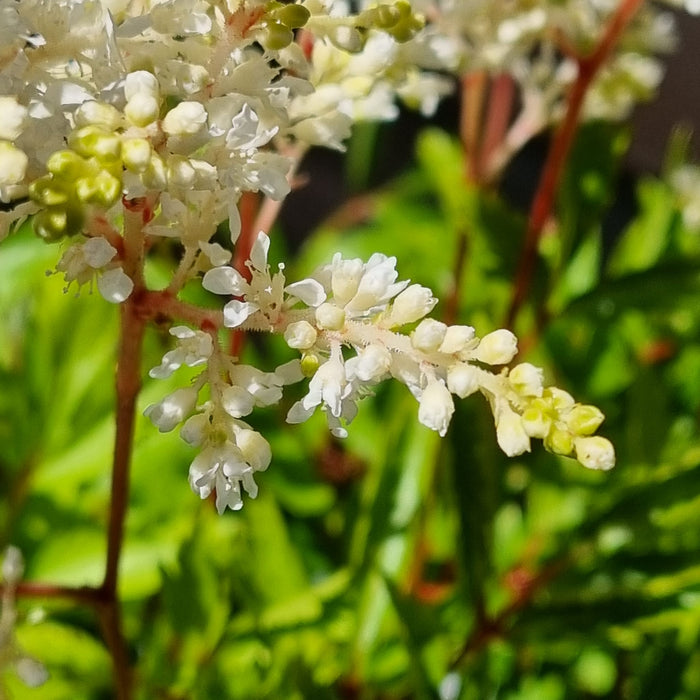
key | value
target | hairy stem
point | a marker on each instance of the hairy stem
(560, 147)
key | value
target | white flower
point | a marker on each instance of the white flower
(193, 348)
(436, 407)
(172, 409)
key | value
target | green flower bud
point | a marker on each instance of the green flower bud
(584, 420)
(49, 192)
(559, 441)
(309, 364)
(67, 165)
(55, 222)
(277, 36)
(93, 141)
(103, 189)
(292, 16)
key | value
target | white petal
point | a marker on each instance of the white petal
(224, 280)
(236, 312)
(115, 285)
(298, 413)
(258, 253)
(309, 291)
(98, 252)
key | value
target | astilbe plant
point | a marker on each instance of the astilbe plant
(124, 124)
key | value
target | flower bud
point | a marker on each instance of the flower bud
(372, 363)
(309, 364)
(428, 335)
(413, 303)
(49, 192)
(98, 114)
(497, 348)
(185, 118)
(102, 189)
(330, 317)
(67, 165)
(140, 82)
(55, 222)
(536, 422)
(559, 441)
(462, 379)
(457, 338)
(92, 141)
(136, 154)
(13, 164)
(510, 433)
(584, 420)
(142, 109)
(12, 116)
(436, 407)
(277, 36)
(595, 452)
(300, 335)
(526, 379)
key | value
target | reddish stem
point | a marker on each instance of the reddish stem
(560, 147)
(498, 113)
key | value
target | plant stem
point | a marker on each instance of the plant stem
(560, 147)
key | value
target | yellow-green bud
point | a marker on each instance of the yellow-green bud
(67, 165)
(102, 189)
(49, 192)
(292, 16)
(309, 364)
(559, 441)
(277, 36)
(55, 222)
(93, 141)
(584, 420)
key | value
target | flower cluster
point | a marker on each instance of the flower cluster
(381, 322)
(125, 125)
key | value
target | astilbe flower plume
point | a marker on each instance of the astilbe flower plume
(128, 126)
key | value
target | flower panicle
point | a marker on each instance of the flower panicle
(354, 324)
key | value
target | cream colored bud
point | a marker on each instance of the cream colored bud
(142, 109)
(462, 379)
(510, 433)
(436, 407)
(136, 154)
(595, 452)
(185, 118)
(497, 348)
(330, 317)
(140, 82)
(300, 335)
(428, 335)
(457, 338)
(412, 304)
(255, 448)
(12, 116)
(526, 379)
(13, 164)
